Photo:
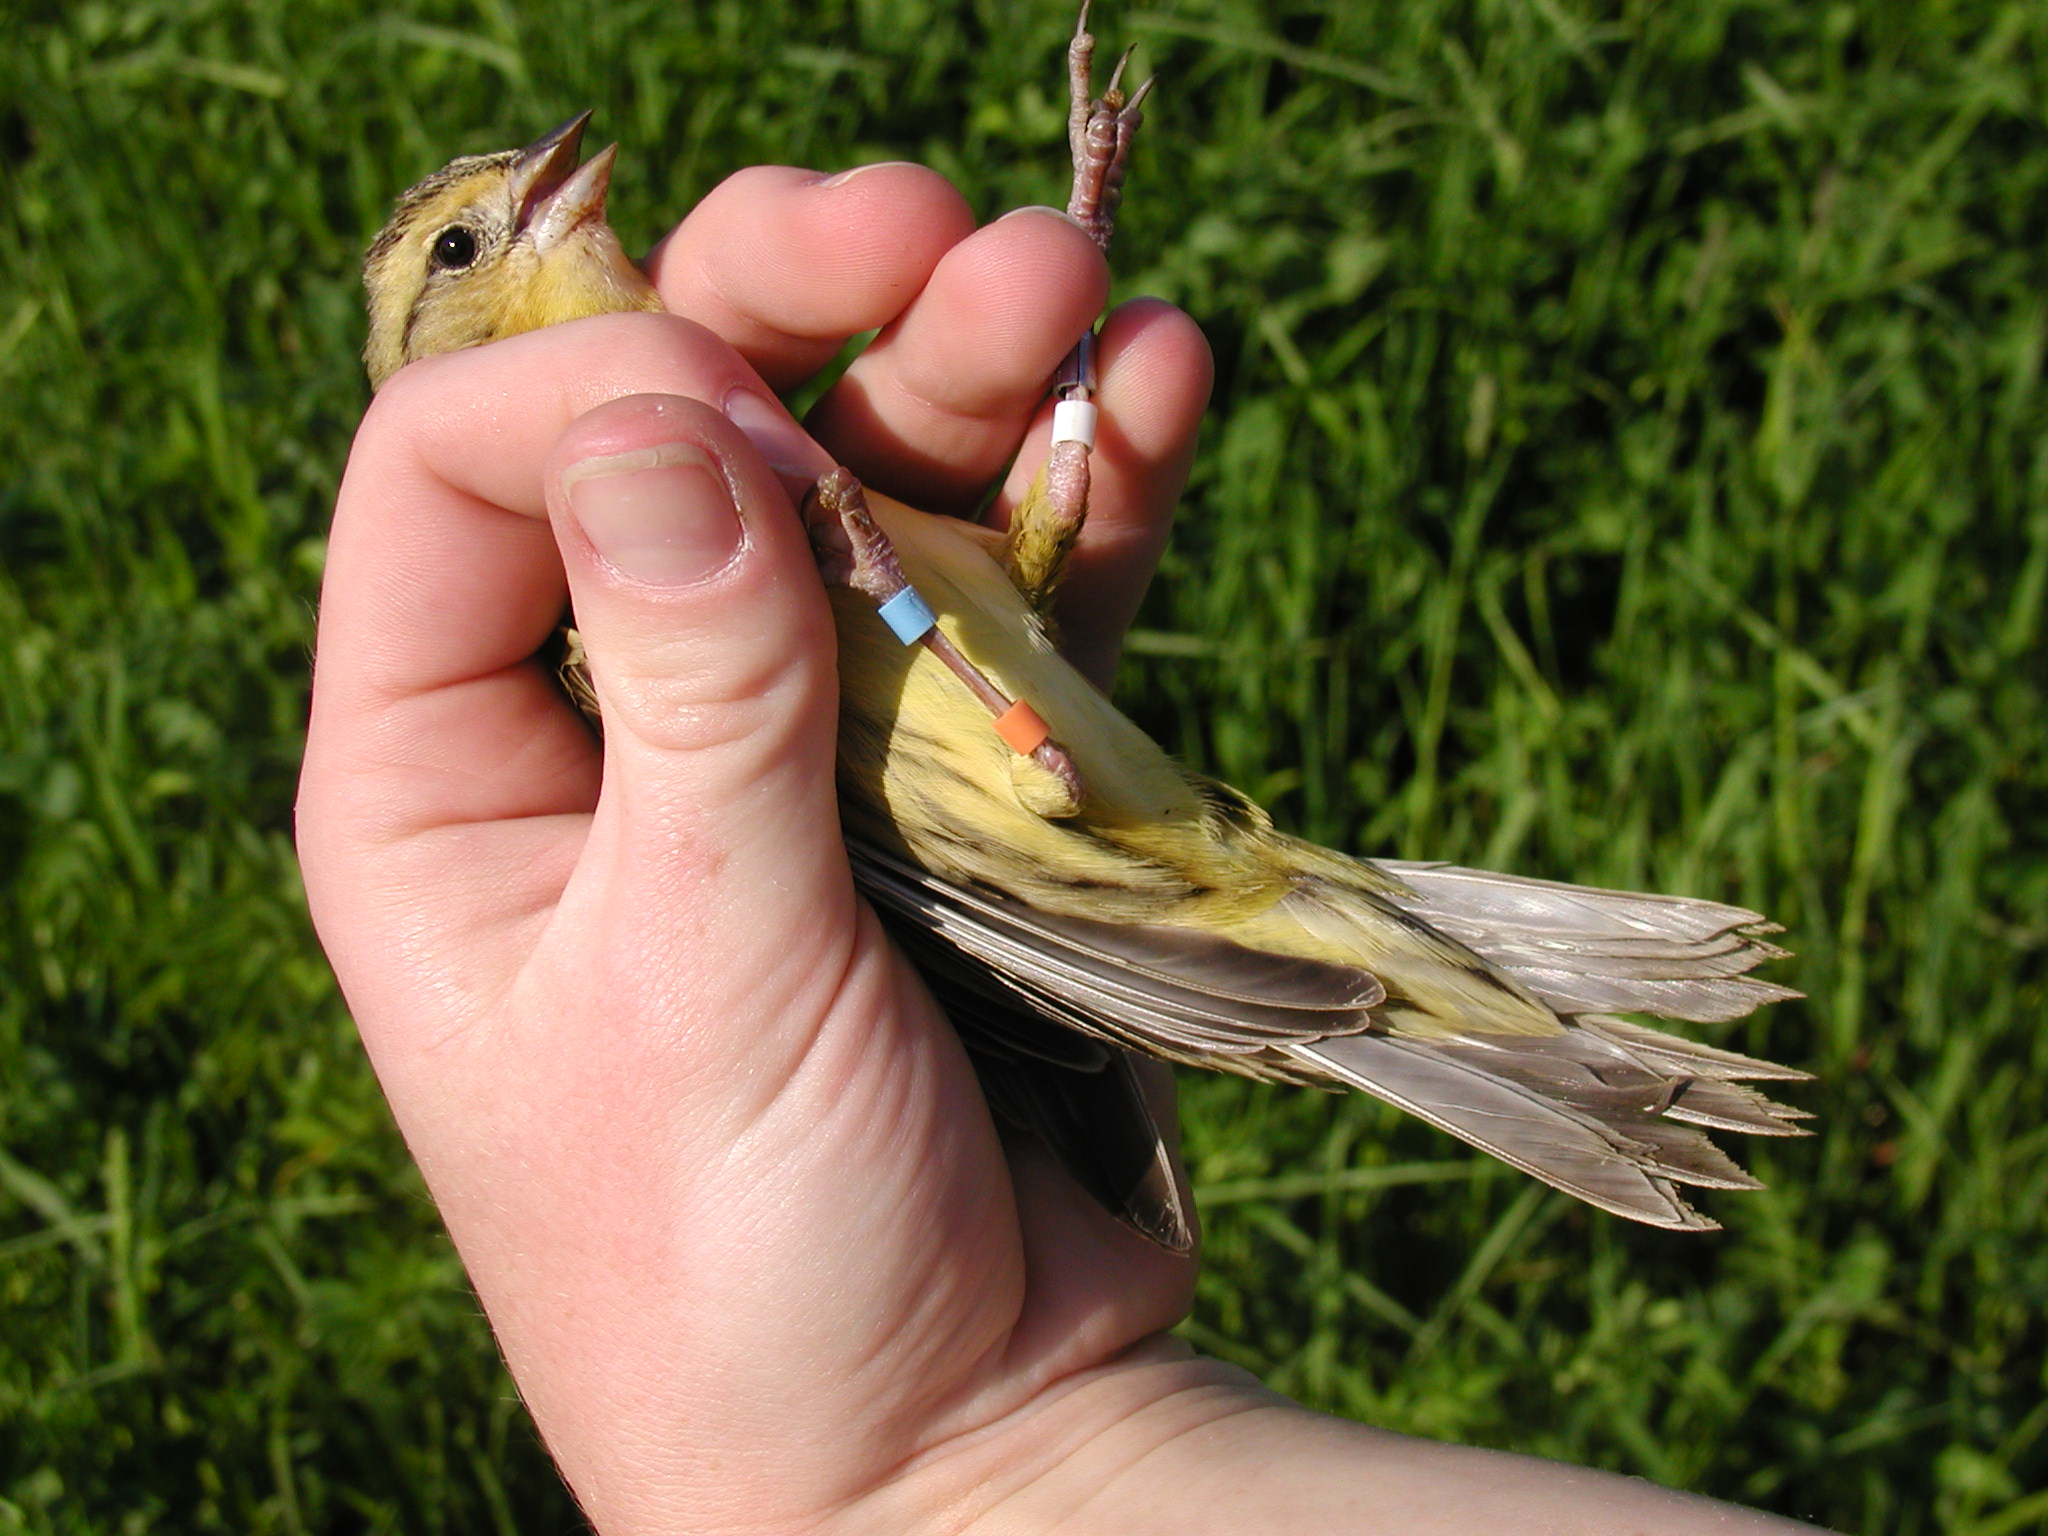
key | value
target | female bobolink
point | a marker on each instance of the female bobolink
(1069, 891)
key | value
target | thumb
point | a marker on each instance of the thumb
(711, 651)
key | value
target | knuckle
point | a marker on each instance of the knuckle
(685, 696)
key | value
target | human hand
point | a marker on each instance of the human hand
(717, 1165)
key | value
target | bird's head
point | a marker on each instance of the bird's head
(492, 245)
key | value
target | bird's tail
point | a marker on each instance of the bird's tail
(1608, 1110)
(1580, 950)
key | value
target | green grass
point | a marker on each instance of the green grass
(1630, 463)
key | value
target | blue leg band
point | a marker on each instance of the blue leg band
(909, 615)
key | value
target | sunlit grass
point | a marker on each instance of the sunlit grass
(1630, 463)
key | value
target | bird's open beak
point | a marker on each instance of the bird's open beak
(551, 194)
(575, 203)
(544, 165)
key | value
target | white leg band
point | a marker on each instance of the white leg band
(1073, 421)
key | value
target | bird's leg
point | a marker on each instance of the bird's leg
(1099, 135)
(1048, 520)
(852, 551)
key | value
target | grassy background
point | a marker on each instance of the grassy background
(1628, 464)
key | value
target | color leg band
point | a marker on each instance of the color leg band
(909, 615)
(1022, 729)
(1073, 421)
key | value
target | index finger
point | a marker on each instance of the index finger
(787, 264)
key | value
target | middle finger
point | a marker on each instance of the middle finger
(934, 409)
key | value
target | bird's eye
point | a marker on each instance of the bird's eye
(454, 248)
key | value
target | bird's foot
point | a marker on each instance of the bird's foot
(1048, 521)
(1099, 134)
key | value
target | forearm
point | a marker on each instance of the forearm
(1163, 1441)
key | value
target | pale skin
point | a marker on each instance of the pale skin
(719, 1170)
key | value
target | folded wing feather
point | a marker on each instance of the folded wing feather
(1603, 1108)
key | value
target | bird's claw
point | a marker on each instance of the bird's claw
(1046, 524)
(1099, 134)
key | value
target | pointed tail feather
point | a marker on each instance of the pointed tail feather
(1583, 950)
(1691, 1058)
(1732, 1107)
(1610, 1113)
(1559, 1145)
(1603, 1108)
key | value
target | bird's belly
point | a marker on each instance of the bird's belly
(922, 771)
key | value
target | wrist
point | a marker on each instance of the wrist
(1076, 1457)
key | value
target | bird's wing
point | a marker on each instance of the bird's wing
(1097, 1124)
(1604, 1109)
(1173, 992)
(1046, 1069)
(1092, 1113)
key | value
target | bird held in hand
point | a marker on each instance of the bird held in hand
(1071, 893)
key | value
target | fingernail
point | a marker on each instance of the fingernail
(861, 170)
(1059, 213)
(785, 445)
(663, 516)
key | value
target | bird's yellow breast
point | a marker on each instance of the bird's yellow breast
(925, 772)
(574, 284)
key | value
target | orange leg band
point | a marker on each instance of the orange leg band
(1022, 728)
